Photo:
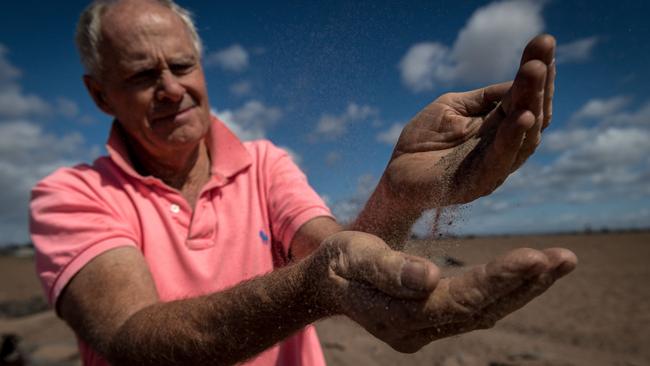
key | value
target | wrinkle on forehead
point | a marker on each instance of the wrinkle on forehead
(131, 30)
(127, 19)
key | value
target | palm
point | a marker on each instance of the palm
(462, 146)
(433, 147)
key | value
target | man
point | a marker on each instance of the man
(172, 249)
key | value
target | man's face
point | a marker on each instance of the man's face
(152, 80)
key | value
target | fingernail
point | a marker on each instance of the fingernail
(414, 275)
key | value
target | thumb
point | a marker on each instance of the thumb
(370, 262)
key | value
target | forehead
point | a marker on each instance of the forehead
(134, 32)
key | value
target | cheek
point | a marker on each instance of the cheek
(134, 106)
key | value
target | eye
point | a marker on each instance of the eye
(181, 68)
(144, 76)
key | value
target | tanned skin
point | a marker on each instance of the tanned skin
(112, 303)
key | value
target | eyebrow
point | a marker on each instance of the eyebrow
(142, 62)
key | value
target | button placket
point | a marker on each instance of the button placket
(203, 225)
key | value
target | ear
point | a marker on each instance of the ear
(96, 91)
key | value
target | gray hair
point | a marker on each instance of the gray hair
(88, 35)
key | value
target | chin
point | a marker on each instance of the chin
(189, 133)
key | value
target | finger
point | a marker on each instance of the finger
(558, 263)
(506, 305)
(562, 261)
(416, 340)
(529, 93)
(483, 285)
(542, 48)
(548, 95)
(477, 102)
(502, 153)
(532, 139)
(527, 89)
(487, 317)
(394, 273)
(384, 317)
(526, 93)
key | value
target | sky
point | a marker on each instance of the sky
(334, 82)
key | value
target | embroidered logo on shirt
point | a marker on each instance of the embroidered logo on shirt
(265, 238)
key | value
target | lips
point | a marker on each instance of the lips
(172, 112)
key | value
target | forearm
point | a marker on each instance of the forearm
(387, 217)
(222, 328)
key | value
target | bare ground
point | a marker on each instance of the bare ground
(598, 315)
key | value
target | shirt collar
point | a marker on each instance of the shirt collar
(227, 153)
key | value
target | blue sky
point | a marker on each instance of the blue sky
(334, 81)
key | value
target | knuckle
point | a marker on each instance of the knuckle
(487, 320)
(447, 96)
(405, 346)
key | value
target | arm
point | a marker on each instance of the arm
(463, 146)
(393, 228)
(112, 304)
(387, 217)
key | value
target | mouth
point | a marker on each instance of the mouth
(173, 114)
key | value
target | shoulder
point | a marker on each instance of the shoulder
(266, 152)
(261, 147)
(82, 180)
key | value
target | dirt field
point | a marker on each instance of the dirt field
(598, 315)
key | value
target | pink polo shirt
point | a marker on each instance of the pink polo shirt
(242, 225)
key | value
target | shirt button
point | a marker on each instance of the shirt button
(174, 208)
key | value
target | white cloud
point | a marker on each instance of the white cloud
(234, 58)
(346, 210)
(27, 154)
(390, 135)
(331, 126)
(610, 160)
(600, 108)
(67, 108)
(250, 121)
(611, 147)
(487, 49)
(639, 118)
(576, 51)
(7, 70)
(564, 139)
(598, 174)
(297, 158)
(426, 64)
(241, 88)
(14, 103)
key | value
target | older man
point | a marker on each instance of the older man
(172, 249)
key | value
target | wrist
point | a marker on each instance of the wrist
(318, 282)
(389, 210)
(399, 202)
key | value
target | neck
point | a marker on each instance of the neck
(178, 169)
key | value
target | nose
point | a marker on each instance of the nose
(169, 89)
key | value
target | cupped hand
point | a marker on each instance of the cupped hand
(401, 299)
(464, 145)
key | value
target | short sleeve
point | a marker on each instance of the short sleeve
(292, 201)
(72, 220)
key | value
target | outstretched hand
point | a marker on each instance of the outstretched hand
(464, 145)
(401, 299)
